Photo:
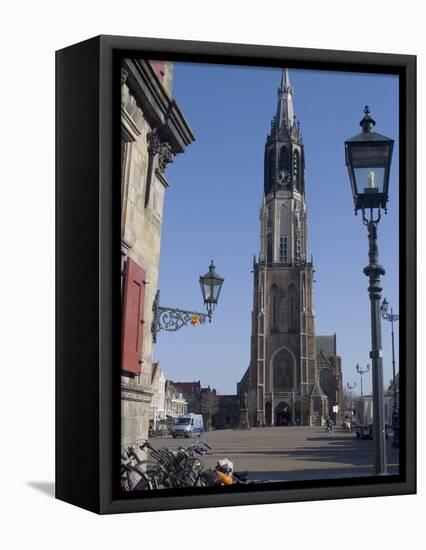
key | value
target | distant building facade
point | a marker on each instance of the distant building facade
(282, 384)
(364, 406)
(153, 132)
(175, 402)
(190, 392)
(218, 411)
(329, 369)
(157, 410)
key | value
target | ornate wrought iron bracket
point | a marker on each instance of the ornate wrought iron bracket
(173, 319)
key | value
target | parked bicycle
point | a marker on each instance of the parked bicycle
(144, 467)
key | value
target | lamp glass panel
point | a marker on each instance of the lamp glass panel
(216, 289)
(369, 180)
(207, 290)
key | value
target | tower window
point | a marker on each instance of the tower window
(270, 171)
(284, 160)
(269, 249)
(273, 320)
(283, 249)
(296, 168)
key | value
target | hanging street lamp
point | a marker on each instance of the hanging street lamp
(391, 317)
(173, 319)
(368, 159)
(211, 285)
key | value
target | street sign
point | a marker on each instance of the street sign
(335, 408)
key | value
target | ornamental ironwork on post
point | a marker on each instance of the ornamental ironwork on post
(173, 319)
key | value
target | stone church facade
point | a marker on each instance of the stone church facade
(282, 385)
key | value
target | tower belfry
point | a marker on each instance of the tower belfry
(282, 374)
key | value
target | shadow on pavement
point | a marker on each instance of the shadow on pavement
(309, 475)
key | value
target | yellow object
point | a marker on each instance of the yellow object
(195, 320)
(226, 480)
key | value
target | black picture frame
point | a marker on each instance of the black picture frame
(87, 271)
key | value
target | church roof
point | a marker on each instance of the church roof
(188, 387)
(326, 344)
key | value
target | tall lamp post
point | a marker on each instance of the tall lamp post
(391, 317)
(350, 388)
(368, 158)
(361, 372)
(172, 319)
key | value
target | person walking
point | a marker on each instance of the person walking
(329, 425)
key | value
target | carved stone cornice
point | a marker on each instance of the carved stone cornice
(159, 110)
(165, 156)
(131, 116)
(154, 142)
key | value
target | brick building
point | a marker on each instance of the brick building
(282, 385)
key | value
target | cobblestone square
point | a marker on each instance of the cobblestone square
(290, 453)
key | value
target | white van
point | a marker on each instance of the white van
(187, 424)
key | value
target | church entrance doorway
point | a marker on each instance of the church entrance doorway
(298, 413)
(283, 414)
(268, 414)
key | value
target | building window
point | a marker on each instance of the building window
(274, 308)
(283, 249)
(284, 160)
(269, 258)
(296, 168)
(125, 148)
(291, 320)
(283, 372)
(327, 384)
(270, 171)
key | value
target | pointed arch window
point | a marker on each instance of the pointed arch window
(291, 307)
(273, 308)
(328, 384)
(285, 161)
(296, 167)
(283, 372)
(269, 258)
(283, 249)
(270, 170)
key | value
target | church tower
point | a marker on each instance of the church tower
(281, 383)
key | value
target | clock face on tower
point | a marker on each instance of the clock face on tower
(283, 178)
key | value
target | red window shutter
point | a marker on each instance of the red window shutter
(133, 317)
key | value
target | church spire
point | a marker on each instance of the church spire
(285, 110)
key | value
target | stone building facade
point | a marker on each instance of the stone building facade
(157, 410)
(190, 392)
(175, 402)
(218, 411)
(153, 132)
(281, 385)
(329, 367)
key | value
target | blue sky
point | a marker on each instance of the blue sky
(211, 211)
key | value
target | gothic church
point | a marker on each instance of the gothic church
(294, 377)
